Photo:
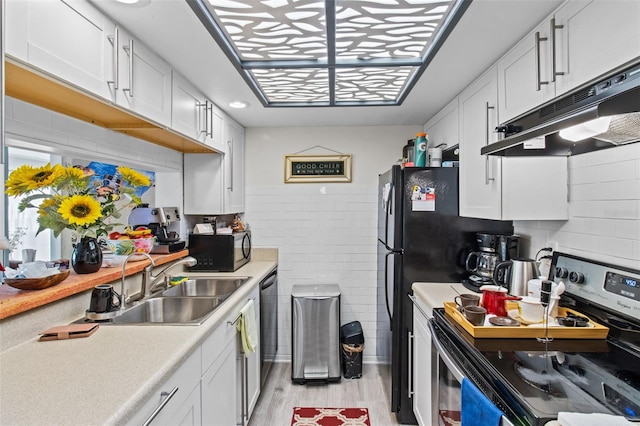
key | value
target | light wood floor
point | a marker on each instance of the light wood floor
(275, 406)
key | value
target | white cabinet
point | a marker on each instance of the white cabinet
(219, 391)
(443, 127)
(234, 167)
(597, 36)
(214, 183)
(190, 110)
(480, 176)
(230, 381)
(203, 180)
(252, 366)
(422, 369)
(512, 188)
(518, 74)
(177, 402)
(144, 80)
(579, 42)
(66, 39)
(195, 116)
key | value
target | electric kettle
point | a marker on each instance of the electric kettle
(515, 274)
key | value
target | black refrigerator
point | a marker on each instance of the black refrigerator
(421, 237)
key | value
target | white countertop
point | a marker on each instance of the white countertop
(433, 295)
(104, 378)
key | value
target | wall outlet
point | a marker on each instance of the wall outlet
(555, 246)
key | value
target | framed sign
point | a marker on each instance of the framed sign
(317, 168)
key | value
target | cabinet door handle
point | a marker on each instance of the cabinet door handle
(230, 144)
(539, 81)
(204, 106)
(129, 50)
(209, 119)
(115, 41)
(487, 179)
(167, 397)
(410, 364)
(554, 71)
(245, 403)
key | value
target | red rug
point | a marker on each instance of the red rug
(306, 416)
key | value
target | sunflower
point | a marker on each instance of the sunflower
(26, 179)
(46, 203)
(133, 177)
(80, 210)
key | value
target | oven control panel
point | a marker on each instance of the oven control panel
(614, 287)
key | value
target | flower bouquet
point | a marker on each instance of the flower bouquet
(67, 198)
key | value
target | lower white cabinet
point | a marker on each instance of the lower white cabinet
(422, 369)
(219, 389)
(216, 386)
(177, 402)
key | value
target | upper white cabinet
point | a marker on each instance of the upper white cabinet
(597, 36)
(144, 80)
(234, 166)
(195, 116)
(190, 110)
(579, 42)
(480, 176)
(214, 183)
(67, 39)
(443, 127)
(512, 188)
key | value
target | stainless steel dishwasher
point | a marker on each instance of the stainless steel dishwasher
(268, 323)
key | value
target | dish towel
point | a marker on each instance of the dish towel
(247, 326)
(477, 410)
(595, 419)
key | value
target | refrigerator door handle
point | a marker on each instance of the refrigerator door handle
(388, 213)
(386, 280)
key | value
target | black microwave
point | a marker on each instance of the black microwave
(220, 253)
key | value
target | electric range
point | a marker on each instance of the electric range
(532, 380)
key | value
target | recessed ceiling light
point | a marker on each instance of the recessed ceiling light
(136, 3)
(238, 104)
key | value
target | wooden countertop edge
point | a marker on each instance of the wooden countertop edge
(14, 301)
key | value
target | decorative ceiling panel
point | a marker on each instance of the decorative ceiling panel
(370, 84)
(364, 52)
(293, 85)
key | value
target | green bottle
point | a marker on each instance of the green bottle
(421, 150)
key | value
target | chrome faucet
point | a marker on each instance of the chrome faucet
(161, 280)
(123, 297)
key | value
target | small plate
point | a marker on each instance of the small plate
(514, 314)
(504, 321)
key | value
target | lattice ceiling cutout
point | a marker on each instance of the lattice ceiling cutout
(330, 52)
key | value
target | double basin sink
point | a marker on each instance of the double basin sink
(188, 303)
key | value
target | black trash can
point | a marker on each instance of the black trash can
(352, 345)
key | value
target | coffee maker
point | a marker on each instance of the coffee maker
(164, 223)
(492, 250)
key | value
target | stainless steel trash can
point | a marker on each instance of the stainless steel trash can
(315, 333)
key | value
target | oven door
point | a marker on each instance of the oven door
(446, 383)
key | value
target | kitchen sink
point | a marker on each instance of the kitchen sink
(170, 311)
(207, 287)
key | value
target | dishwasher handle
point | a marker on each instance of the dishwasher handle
(269, 280)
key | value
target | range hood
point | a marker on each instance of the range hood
(536, 134)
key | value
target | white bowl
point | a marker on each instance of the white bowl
(530, 309)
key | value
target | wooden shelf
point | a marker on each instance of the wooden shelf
(40, 89)
(14, 301)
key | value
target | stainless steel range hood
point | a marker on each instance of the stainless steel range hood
(616, 95)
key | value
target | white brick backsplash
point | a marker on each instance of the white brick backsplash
(604, 224)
